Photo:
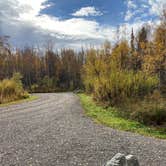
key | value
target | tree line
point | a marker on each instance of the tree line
(45, 71)
(113, 74)
(131, 75)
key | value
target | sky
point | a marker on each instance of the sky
(75, 23)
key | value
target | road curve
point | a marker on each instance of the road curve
(53, 131)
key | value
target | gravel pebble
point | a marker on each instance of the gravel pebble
(54, 131)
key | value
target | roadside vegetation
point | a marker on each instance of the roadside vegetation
(12, 89)
(42, 71)
(19, 101)
(112, 117)
(129, 76)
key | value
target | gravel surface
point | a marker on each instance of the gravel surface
(53, 131)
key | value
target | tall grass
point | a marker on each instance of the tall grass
(113, 82)
(113, 118)
(12, 89)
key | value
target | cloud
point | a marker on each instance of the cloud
(87, 11)
(23, 21)
(128, 15)
(145, 9)
(131, 4)
(156, 6)
(26, 24)
(131, 10)
(125, 29)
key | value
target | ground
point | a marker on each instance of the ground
(53, 130)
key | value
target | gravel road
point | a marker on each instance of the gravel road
(53, 131)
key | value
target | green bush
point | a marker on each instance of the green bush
(45, 85)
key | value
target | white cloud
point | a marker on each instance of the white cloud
(129, 14)
(87, 11)
(131, 4)
(131, 10)
(156, 6)
(144, 9)
(23, 21)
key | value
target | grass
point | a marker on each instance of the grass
(111, 118)
(30, 98)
